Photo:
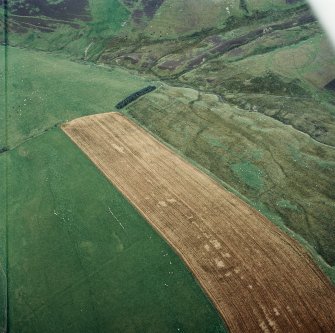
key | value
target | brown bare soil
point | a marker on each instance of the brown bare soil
(258, 278)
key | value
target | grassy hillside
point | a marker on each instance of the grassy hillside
(285, 174)
(275, 62)
(175, 18)
(85, 28)
(51, 90)
(81, 259)
(107, 16)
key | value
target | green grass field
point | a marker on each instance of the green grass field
(107, 17)
(3, 261)
(80, 258)
(44, 90)
(3, 280)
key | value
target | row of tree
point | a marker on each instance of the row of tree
(134, 96)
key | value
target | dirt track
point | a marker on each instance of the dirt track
(258, 278)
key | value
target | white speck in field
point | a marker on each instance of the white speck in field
(271, 323)
(216, 244)
(118, 148)
(226, 255)
(171, 200)
(207, 247)
(275, 310)
(219, 263)
(228, 274)
(162, 203)
(264, 328)
(250, 286)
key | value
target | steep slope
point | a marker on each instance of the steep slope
(74, 25)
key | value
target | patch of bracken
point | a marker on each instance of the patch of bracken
(63, 10)
(330, 85)
(150, 7)
(137, 16)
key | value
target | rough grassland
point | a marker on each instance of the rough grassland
(261, 158)
(284, 83)
(257, 276)
(82, 260)
(275, 63)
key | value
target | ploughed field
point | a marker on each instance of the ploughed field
(258, 278)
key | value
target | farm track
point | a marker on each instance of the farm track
(258, 277)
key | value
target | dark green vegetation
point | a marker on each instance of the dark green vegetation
(284, 173)
(81, 259)
(134, 96)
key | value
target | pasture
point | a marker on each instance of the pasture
(45, 90)
(81, 258)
